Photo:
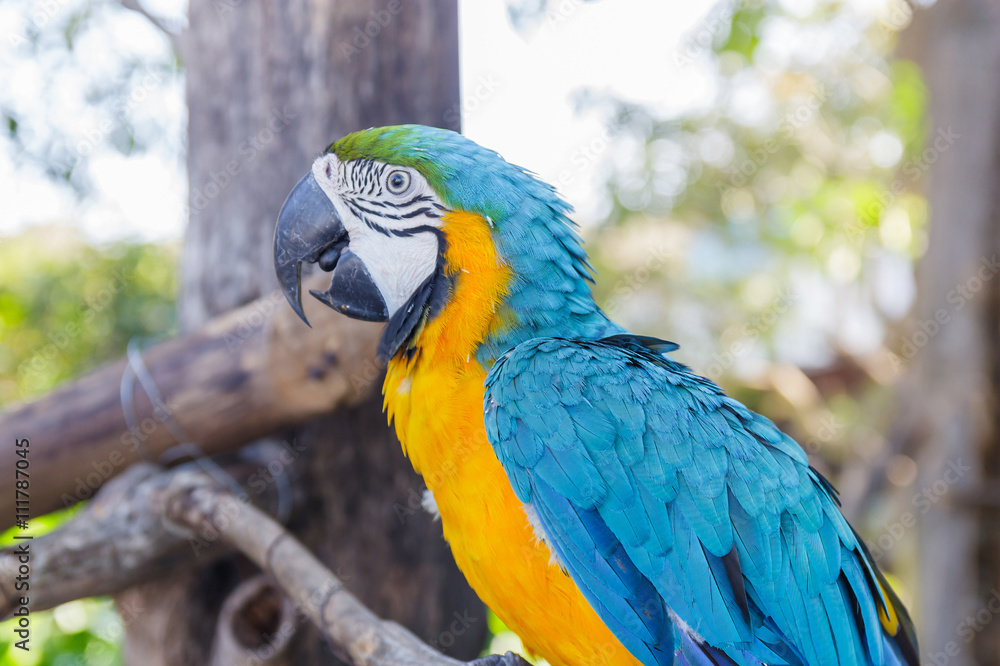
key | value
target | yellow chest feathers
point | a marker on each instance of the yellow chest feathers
(445, 367)
(435, 400)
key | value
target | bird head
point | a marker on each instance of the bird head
(380, 208)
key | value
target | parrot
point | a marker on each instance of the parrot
(610, 505)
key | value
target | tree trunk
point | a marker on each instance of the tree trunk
(270, 85)
(950, 407)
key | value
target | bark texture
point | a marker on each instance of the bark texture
(244, 375)
(950, 402)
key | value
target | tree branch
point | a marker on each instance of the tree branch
(170, 34)
(243, 376)
(147, 522)
(256, 610)
(121, 538)
(196, 503)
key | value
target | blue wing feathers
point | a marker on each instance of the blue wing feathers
(652, 484)
(609, 580)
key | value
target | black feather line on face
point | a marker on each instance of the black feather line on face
(375, 186)
(420, 198)
(361, 211)
(364, 214)
(365, 178)
(425, 211)
(425, 304)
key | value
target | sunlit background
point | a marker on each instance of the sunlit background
(747, 178)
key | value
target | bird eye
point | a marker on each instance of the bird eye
(398, 182)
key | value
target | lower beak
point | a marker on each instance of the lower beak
(310, 230)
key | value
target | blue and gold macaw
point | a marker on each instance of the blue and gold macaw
(609, 505)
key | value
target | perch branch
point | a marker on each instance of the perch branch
(157, 23)
(200, 505)
(148, 521)
(243, 376)
(120, 539)
(256, 626)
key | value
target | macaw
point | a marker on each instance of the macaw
(607, 503)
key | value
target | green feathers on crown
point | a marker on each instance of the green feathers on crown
(467, 176)
(527, 218)
(404, 145)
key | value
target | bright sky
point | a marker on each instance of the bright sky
(517, 98)
(518, 88)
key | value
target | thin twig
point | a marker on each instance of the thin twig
(120, 538)
(200, 504)
(148, 522)
(155, 20)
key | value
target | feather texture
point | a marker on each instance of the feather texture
(708, 502)
(687, 529)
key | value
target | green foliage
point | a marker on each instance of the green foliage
(106, 63)
(801, 173)
(66, 306)
(79, 633)
(500, 639)
(744, 34)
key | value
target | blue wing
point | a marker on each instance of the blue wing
(661, 494)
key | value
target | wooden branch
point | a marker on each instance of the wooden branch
(198, 504)
(244, 375)
(121, 539)
(139, 521)
(157, 23)
(256, 626)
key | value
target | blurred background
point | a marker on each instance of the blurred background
(801, 193)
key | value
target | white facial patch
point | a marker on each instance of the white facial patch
(390, 213)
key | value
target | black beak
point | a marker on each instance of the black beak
(310, 230)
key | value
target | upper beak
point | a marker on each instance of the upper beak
(310, 230)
